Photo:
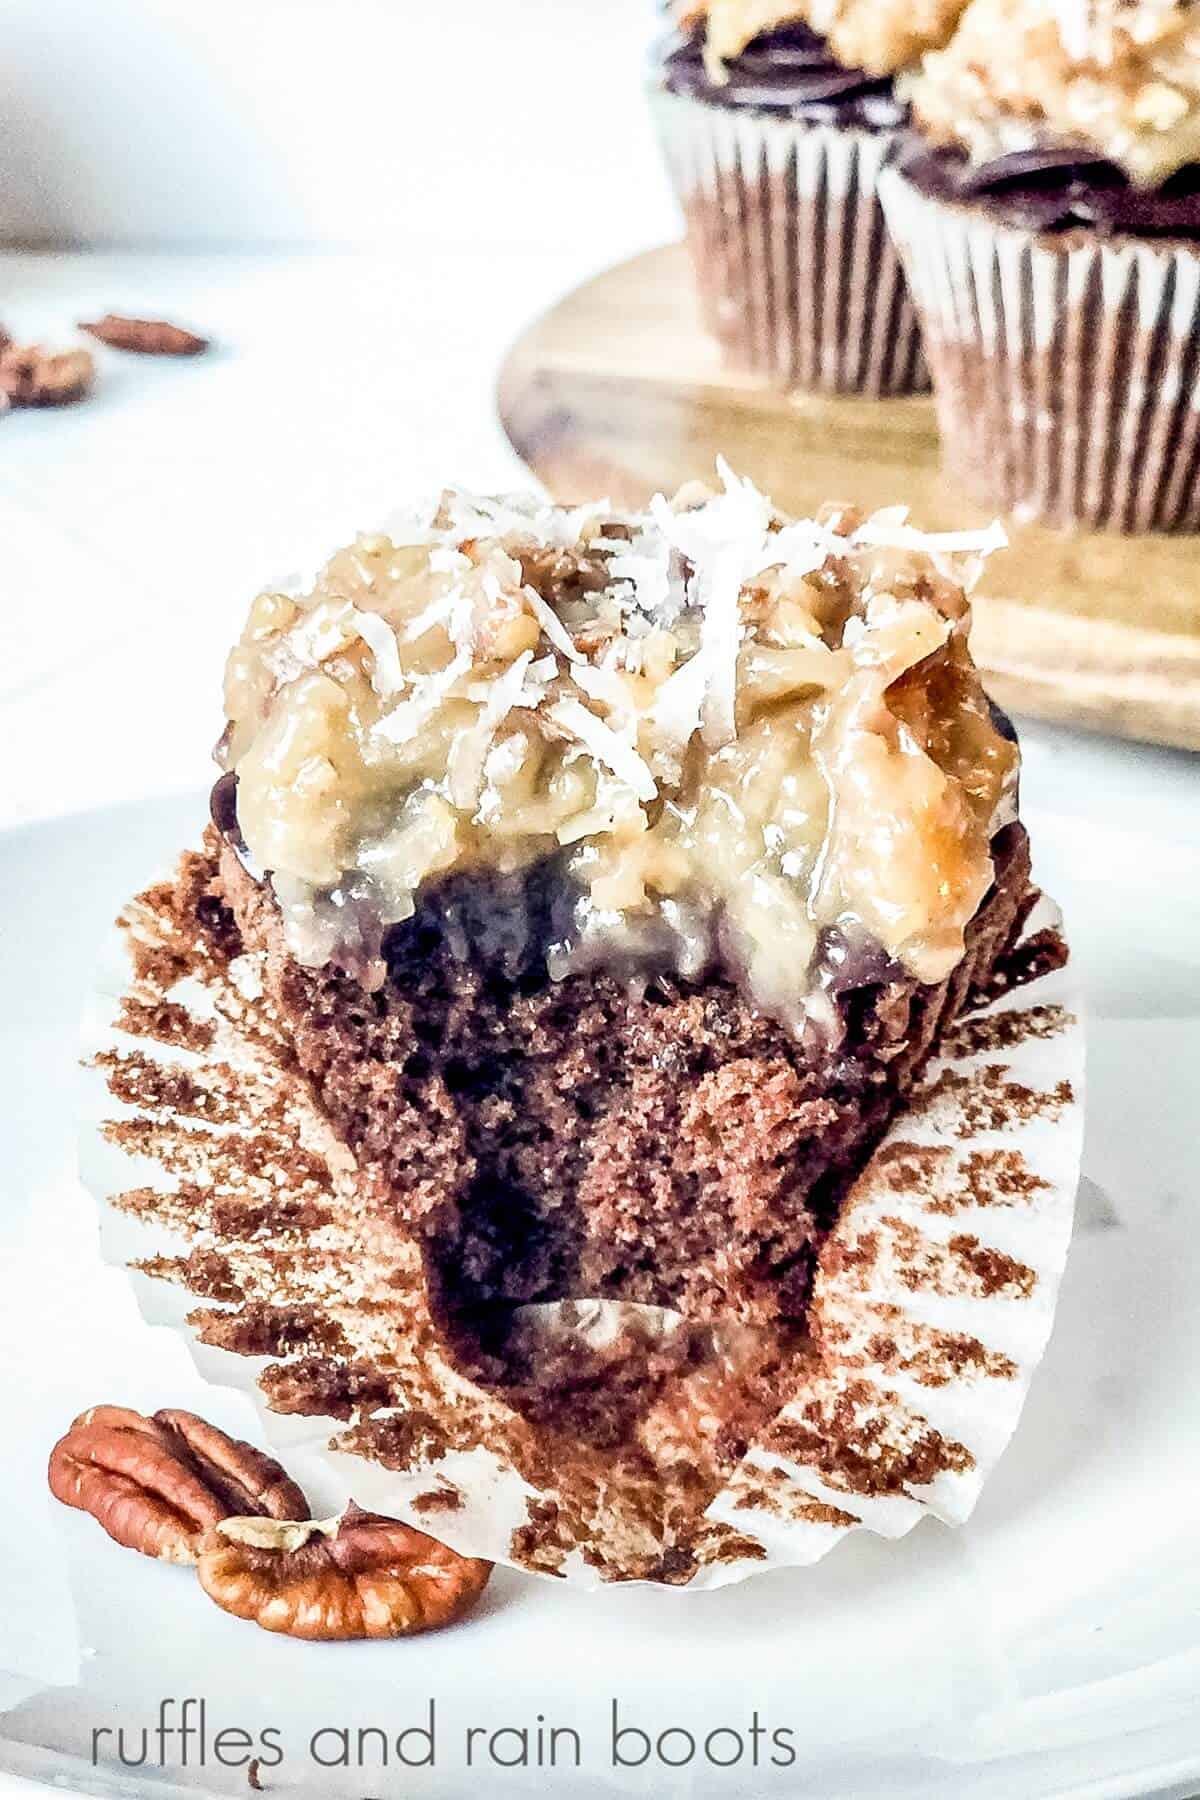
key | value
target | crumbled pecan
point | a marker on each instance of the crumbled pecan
(357, 1576)
(158, 1484)
(31, 376)
(149, 337)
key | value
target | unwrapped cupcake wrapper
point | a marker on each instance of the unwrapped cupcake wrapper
(1066, 369)
(798, 279)
(217, 1178)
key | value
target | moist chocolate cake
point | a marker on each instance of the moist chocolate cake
(617, 877)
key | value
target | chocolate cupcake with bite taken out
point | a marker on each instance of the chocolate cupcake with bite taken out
(610, 1035)
(1049, 219)
(624, 875)
(776, 120)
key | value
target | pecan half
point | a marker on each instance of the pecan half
(244, 1479)
(149, 337)
(357, 1576)
(157, 1485)
(31, 376)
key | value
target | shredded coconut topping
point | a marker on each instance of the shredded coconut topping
(605, 745)
(708, 712)
(1117, 78)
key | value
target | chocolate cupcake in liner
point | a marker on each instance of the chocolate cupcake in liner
(1056, 270)
(775, 158)
(225, 1194)
(760, 1433)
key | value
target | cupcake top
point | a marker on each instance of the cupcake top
(787, 72)
(732, 733)
(1093, 87)
(879, 37)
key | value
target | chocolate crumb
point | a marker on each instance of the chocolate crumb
(203, 1272)
(325, 1387)
(992, 1270)
(1000, 1031)
(166, 1022)
(140, 1080)
(862, 1441)
(993, 1177)
(403, 1441)
(263, 1330)
(441, 1499)
(541, 1544)
(773, 1492)
(988, 1099)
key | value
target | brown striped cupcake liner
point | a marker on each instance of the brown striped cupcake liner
(1066, 369)
(798, 279)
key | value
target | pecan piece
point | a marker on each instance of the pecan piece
(244, 1479)
(357, 1576)
(31, 376)
(149, 337)
(157, 1485)
(132, 1483)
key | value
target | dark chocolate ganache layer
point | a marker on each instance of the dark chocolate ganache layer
(1057, 190)
(790, 72)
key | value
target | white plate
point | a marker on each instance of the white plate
(1050, 1648)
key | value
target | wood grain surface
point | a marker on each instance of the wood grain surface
(617, 391)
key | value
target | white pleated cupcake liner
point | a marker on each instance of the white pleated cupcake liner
(932, 1306)
(799, 281)
(1066, 369)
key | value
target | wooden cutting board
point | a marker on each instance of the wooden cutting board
(618, 391)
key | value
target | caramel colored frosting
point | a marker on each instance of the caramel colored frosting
(1113, 79)
(729, 731)
(880, 36)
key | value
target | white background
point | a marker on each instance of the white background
(425, 180)
(383, 123)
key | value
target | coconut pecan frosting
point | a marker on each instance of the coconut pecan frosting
(878, 36)
(1115, 82)
(730, 732)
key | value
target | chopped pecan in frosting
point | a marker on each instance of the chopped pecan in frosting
(718, 721)
(880, 36)
(1119, 78)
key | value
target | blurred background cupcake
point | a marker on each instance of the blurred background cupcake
(1050, 225)
(776, 118)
